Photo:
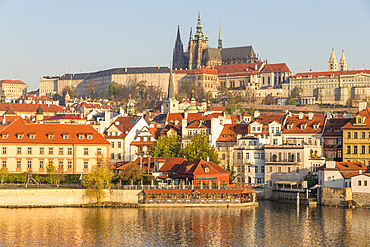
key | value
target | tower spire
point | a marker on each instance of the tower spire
(343, 63)
(333, 63)
(199, 34)
(171, 86)
(220, 40)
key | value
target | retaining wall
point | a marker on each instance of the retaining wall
(59, 197)
(362, 199)
(334, 196)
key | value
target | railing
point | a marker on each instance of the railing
(283, 160)
(195, 201)
(171, 187)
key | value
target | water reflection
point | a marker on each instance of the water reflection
(270, 224)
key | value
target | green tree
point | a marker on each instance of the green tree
(50, 170)
(290, 100)
(97, 180)
(167, 146)
(199, 148)
(3, 174)
(112, 90)
(232, 173)
(251, 112)
(72, 91)
(311, 179)
(132, 174)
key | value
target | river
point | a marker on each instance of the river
(269, 224)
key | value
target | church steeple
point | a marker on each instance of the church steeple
(199, 34)
(220, 40)
(178, 52)
(333, 63)
(343, 63)
(171, 105)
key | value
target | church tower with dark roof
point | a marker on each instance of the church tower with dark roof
(178, 53)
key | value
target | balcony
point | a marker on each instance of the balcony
(283, 161)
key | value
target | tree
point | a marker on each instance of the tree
(249, 95)
(185, 88)
(112, 90)
(232, 177)
(3, 174)
(97, 180)
(199, 148)
(251, 112)
(290, 100)
(132, 174)
(269, 100)
(167, 146)
(91, 89)
(297, 93)
(311, 179)
(50, 170)
(72, 91)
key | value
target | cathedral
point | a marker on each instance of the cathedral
(198, 53)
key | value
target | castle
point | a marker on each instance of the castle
(198, 53)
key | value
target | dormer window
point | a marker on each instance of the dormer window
(81, 137)
(290, 126)
(65, 136)
(5, 136)
(303, 127)
(20, 135)
(315, 127)
(89, 136)
(206, 169)
(32, 136)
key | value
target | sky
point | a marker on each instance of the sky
(41, 38)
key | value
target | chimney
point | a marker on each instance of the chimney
(330, 164)
(362, 106)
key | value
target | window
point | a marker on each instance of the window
(4, 150)
(247, 156)
(257, 155)
(65, 137)
(119, 144)
(50, 136)
(4, 164)
(365, 182)
(339, 153)
(270, 169)
(69, 165)
(262, 169)
(29, 164)
(249, 168)
(363, 150)
(270, 183)
(112, 156)
(262, 156)
(19, 150)
(42, 150)
(349, 149)
(238, 156)
(61, 151)
(354, 135)
(69, 151)
(363, 135)
(29, 150)
(80, 137)
(41, 164)
(349, 135)
(86, 151)
(256, 169)
(60, 164)
(112, 144)
(51, 150)
(288, 169)
(297, 169)
(90, 137)
(19, 164)
(86, 165)
(359, 182)
(279, 169)
(98, 151)
(355, 149)
(206, 169)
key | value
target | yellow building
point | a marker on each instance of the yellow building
(13, 88)
(29, 147)
(356, 138)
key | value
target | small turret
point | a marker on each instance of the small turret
(130, 107)
(39, 114)
(333, 63)
(343, 63)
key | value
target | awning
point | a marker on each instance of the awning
(289, 182)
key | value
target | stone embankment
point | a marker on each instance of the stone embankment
(66, 197)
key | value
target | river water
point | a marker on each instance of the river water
(269, 224)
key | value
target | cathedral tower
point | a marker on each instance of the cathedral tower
(178, 53)
(220, 40)
(343, 63)
(333, 63)
(196, 46)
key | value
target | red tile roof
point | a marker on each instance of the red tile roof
(12, 82)
(329, 73)
(318, 119)
(346, 166)
(23, 107)
(276, 68)
(44, 130)
(124, 126)
(352, 122)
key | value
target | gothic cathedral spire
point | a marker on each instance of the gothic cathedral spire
(171, 105)
(178, 52)
(220, 40)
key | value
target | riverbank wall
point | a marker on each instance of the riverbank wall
(63, 197)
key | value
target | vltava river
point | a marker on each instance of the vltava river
(269, 224)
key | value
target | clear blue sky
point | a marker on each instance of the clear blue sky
(54, 37)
